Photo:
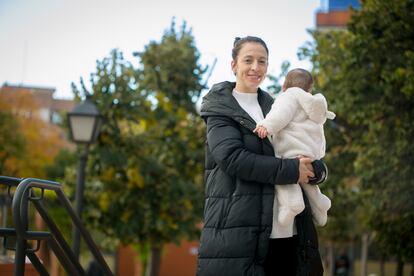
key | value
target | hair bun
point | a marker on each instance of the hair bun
(235, 40)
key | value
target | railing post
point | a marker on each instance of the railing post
(4, 202)
(21, 243)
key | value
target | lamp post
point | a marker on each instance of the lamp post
(84, 124)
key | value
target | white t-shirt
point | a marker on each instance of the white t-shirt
(250, 104)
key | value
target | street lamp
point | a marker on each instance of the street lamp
(84, 124)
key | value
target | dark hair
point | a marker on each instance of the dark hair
(238, 44)
(299, 78)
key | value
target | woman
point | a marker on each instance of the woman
(240, 174)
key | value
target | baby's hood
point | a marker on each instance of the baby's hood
(315, 106)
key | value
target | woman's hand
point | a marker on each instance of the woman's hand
(305, 170)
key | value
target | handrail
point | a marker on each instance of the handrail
(20, 198)
(22, 195)
(10, 181)
(20, 243)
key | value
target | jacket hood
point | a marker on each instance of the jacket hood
(219, 101)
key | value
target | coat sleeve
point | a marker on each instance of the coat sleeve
(282, 112)
(321, 172)
(226, 145)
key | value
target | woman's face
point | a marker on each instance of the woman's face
(250, 67)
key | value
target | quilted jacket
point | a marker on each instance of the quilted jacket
(240, 172)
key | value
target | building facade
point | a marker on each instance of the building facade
(335, 14)
(38, 100)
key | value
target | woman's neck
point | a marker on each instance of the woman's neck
(243, 89)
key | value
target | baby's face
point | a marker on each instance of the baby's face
(284, 86)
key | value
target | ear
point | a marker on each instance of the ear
(233, 67)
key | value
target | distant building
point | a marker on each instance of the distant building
(46, 107)
(335, 14)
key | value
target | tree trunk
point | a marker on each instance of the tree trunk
(412, 268)
(364, 254)
(351, 253)
(154, 264)
(331, 259)
(400, 267)
(382, 266)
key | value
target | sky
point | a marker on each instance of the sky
(52, 43)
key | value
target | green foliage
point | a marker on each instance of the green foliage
(367, 75)
(62, 171)
(385, 44)
(64, 159)
(145, 183)
(346, 217)
(171, 67)
(275, 81)
(11, 142)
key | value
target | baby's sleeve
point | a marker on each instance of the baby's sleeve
(281, 113)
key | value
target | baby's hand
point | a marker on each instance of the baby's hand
(261, 131)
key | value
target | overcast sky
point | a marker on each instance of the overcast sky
(51, 43)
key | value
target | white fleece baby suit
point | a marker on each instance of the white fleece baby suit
(295, 122)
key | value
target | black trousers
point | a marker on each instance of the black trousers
(281, 259)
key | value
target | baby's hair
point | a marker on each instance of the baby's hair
(238, 43)
(299, 78)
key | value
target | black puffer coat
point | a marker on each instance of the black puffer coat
(240, 173)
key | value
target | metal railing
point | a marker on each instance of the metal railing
(24, 194)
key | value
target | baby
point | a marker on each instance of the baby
(295, 123)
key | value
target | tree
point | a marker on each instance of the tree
(147, 166)
(11, 143)
(33, 143)
(11, 146)
(275, 81)
(171, 67)
(172, 75)
(28, 145)
(391, 114)
(367, 75)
